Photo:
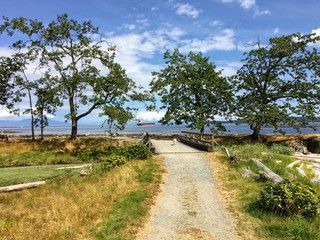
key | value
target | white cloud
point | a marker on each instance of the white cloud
(4, 114)
(276, 30)
(228, 68)
(247, 4)
(150, 116)
(260, 13)
(187, 9)
(223, 41)
(216, 23)
(129, 26)
(316, 31)
(154, 9)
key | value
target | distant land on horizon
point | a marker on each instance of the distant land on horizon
(52, 123)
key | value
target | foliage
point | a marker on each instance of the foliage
(135, 151)
(72, 57)
(278, 82)
(192, 91)
(112, 161)
(9, 95)
(47, 102)
(289, 199)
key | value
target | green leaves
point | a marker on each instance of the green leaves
(275, 85)
(71, 55)
(289, 199)
(192, 91)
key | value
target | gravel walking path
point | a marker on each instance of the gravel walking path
(189, 205)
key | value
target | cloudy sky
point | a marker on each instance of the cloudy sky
(143, 30)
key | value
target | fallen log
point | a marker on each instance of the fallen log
(268, 173)
(19, 187)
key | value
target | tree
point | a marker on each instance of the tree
(277, 83)
(88, 78)
(9, 95)
(192, 91)
(47, 102)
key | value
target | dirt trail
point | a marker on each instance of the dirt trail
(189, 206)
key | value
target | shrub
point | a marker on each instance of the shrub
(113, 161)
(289, 199)
(135, 151)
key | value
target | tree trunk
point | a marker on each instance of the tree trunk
(74, 120)
(32, 117)
(41, 123)
(256, 132)
(74, 129)
(202, 130)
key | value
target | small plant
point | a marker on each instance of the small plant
(289, 199)
(135, 151)
(300, 229)
(281, 149)
(113, 161)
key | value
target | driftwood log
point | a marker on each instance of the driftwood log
(19, 187)
(268, 173)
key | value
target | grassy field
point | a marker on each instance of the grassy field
(241, 193)
(18, 175)
(114, 204)
(103, 205)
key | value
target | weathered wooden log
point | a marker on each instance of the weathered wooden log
(19, 187)
(301, 171)
(269, 174)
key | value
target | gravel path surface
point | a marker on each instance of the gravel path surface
(189, 206)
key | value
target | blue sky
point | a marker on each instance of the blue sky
(143, 30)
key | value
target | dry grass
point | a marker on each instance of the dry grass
(65, 208)
(230, 187)
(63, 144)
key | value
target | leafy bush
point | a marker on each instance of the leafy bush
(135, 151)
(289, 199)
(113, 161)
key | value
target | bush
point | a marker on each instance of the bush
(289, 199)
(136, 151)
(113, 161)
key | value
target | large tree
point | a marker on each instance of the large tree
(192, 91)
(279, 82)
(9, 94)
(81, 61)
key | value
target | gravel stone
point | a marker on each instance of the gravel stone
(189, 205)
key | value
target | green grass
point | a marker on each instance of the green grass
(17, 175)
(267, 225)
(128, 211)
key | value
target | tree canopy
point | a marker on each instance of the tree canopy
(277, 83)
(78, 62)
(192, 91)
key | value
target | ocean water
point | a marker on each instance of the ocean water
(133, 129)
